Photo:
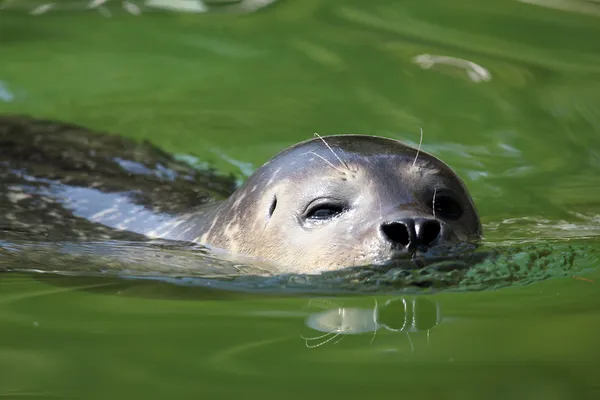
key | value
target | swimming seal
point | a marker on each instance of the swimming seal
(320, 205)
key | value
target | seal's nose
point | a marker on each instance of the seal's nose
(412, 233)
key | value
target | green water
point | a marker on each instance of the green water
(523, 132)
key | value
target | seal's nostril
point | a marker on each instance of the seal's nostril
(413, 233)
(428, 231)
(397, 232)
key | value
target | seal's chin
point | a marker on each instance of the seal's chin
(421, 258)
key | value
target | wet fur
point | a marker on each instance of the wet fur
(62, 181)
(43, 162)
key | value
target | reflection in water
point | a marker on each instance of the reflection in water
(400, 314)
(475, 72)
(534, 229)
(104, 7)
(192, 6)
(589, 7)
(5, 94)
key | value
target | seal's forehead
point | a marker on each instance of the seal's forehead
(362, 145)
(351, 160)
(372, 152)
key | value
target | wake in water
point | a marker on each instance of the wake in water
(194, 265)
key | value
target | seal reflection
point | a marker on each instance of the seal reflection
(398, 315)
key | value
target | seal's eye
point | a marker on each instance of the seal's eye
(324, 211)
(446, 207)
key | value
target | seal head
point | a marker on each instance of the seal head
(344, 200)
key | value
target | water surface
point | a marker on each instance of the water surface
(506, 92)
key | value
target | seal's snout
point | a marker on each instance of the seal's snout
(412, 233)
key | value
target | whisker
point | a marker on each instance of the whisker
(323, 342)
(317, 337)
(324, 159)
(375, 319)
(433, 205)
(329, 147)
(379, 201)
(412, 346)
(339, 340)
(419, 148)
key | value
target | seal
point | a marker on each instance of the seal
(320, 205)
